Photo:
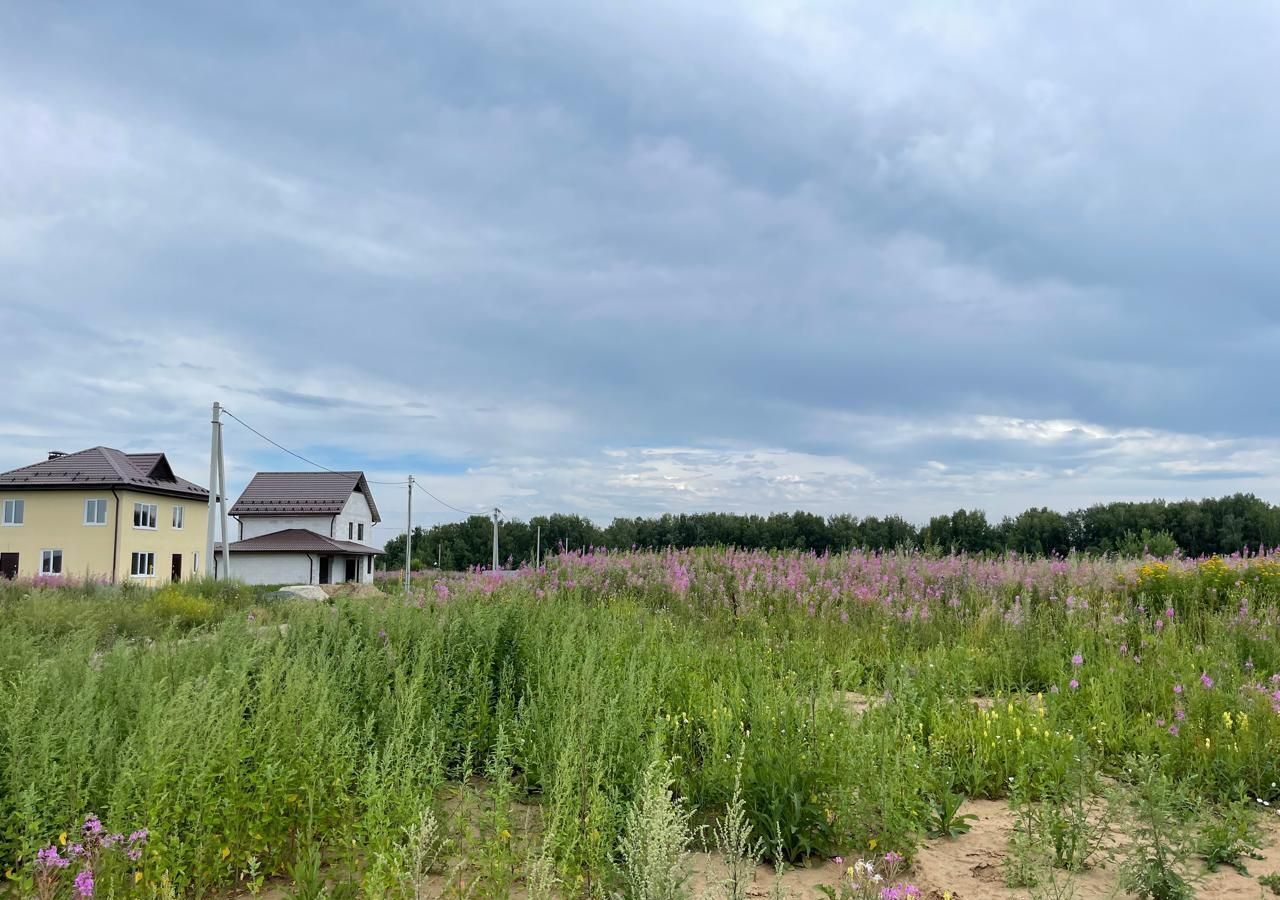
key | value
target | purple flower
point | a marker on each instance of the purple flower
(1169, 612)
(892, 858)
(1206, 680)
(1173, 730)
(899, 892)
(134, 854)
(75, 851)
(92, 825)
(1160, 722)
(1177, 689)
(84, 883)
(1180, 714)
(838, 860)
(139, 836)
(1077, 660)
(1073, 684)
(48, 858)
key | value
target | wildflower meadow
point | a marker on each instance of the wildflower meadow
(644, 724)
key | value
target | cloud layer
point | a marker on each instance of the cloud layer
(616, 260)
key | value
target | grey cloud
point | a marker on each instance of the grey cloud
(518, 231)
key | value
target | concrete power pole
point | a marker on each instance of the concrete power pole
(218, 496)
(537, 553)
(408, 540)
(496, 512)
(222, 502)
(213, 489)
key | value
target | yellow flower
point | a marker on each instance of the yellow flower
(62, 839)
(871, 844)
(226, 851)
(137, 877)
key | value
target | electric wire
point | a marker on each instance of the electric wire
(312, 462)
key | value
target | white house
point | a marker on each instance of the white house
(304, 528)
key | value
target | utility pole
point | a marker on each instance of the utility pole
(213, 488)
(496, 511)
(408, 540)
(222, 502)
(438, 554)
(537, 553)
(217, 495)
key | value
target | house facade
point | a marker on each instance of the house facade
(101, 514)
(303, 528)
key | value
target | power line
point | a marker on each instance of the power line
(465, 512)
(310, 462)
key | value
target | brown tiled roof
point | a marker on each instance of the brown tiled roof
(302, 494)
(297, 540)
(103, 467)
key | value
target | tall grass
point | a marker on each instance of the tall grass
(245, 749)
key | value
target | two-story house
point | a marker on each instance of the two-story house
(101, 513)
(304, 528)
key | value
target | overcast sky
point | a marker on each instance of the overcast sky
(621, 259)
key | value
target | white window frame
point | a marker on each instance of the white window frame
(99, 503)
(179, 517)
(144, 508)
(46, 562)
(148, 559)
(15, 513)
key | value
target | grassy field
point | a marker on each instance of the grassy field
(573, 732)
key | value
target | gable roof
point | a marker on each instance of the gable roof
(104, 467)
(297, 540)
(302, 494)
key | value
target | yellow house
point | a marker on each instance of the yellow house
(101, 514)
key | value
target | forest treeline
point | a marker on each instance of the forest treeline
(1196, 527)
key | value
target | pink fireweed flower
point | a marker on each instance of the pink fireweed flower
(899, 892)
(84, 883)
(48, 858)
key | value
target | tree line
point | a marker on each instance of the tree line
(1196, 527)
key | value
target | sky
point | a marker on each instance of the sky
(625, 259)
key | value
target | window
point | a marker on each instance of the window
(178, 513)
(195, 563)
(369, 569)
(14, 511)
(351, 530)
(360, 531)
(144, 515)
(95, 512)
(143, 565)
(50, 562)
